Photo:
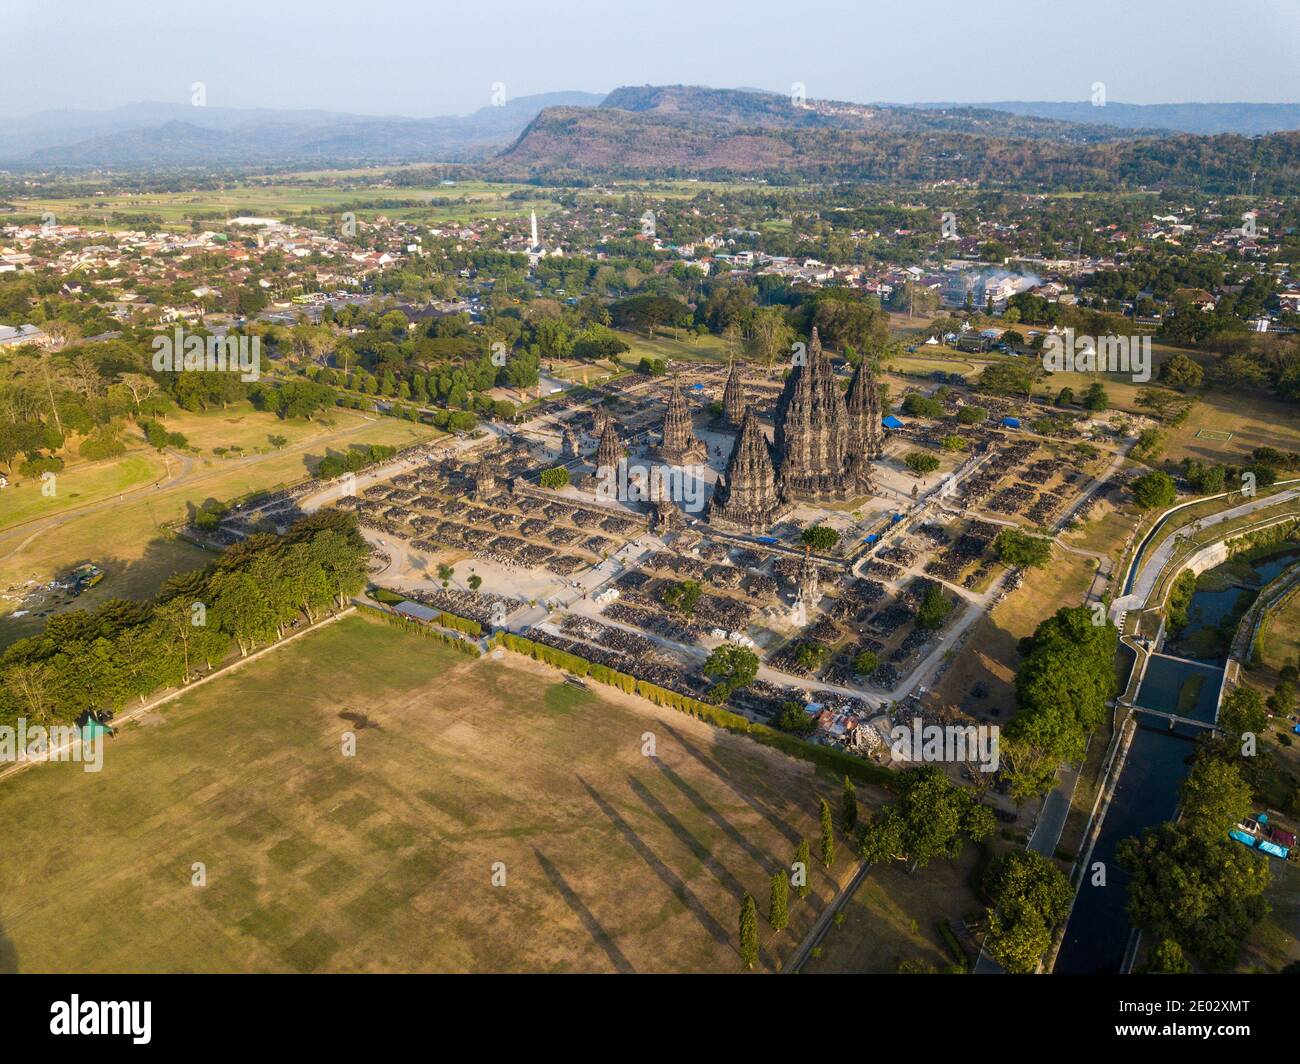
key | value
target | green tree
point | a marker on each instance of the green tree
(850, 807)
(865, 663)
(1095, 398)
(1204, 893)
(1020, 549)
(1214, 798)
(935, 606)
(779, 903)
(931, 818)
(1167, 958)
(920, 463)
(803, 859)
(1153, 490)
(748, 932)
(828, 835)
(794, 719)
(1179, 371)
(731, 667)
(820, 537)
(1031, 897)
(555, 477)
(1243, 713)
(1065, 678)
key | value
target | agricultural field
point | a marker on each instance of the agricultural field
(384, 861)
(468, 200)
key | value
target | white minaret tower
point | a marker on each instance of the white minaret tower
(535, 246)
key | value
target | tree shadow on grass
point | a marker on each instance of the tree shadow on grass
(594, 928)
(729, 829)
(733, 782)
(8, 955)
(702, 853)
(670, 879)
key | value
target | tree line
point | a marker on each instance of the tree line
(95, 661)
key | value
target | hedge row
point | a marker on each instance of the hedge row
(836, 761)
(406, 624)
(460, 624)
(568, 662)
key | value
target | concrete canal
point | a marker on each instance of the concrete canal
(1158, 758)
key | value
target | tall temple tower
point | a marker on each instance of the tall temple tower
(866, 432)
(748, 495)
(813, 430)
(571, 448)
(733, 397)
(680, 445)
(809, 586)
(485, 479)
(609, 448)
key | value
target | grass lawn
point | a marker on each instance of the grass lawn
(77, 485)
(689, 348)
(384, 861)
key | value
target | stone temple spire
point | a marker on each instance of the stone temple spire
(748, 495)
(733, 397)
(865, 431)
(609, 448)
(680, 444)
(809, 583)
(812, 430)
(485, 480)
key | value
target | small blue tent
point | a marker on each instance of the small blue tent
(891, 422)
(1011, 423)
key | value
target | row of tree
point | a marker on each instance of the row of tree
(86, 661)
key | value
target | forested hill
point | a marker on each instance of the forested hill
(686, 132)
(749, 108)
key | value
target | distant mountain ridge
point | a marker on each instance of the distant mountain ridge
(160, 134)
(769, 110)
(683, 131)
(1204, 119)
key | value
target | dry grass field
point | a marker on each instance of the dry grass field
(318, 862)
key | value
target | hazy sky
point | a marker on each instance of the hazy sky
(430, 57)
